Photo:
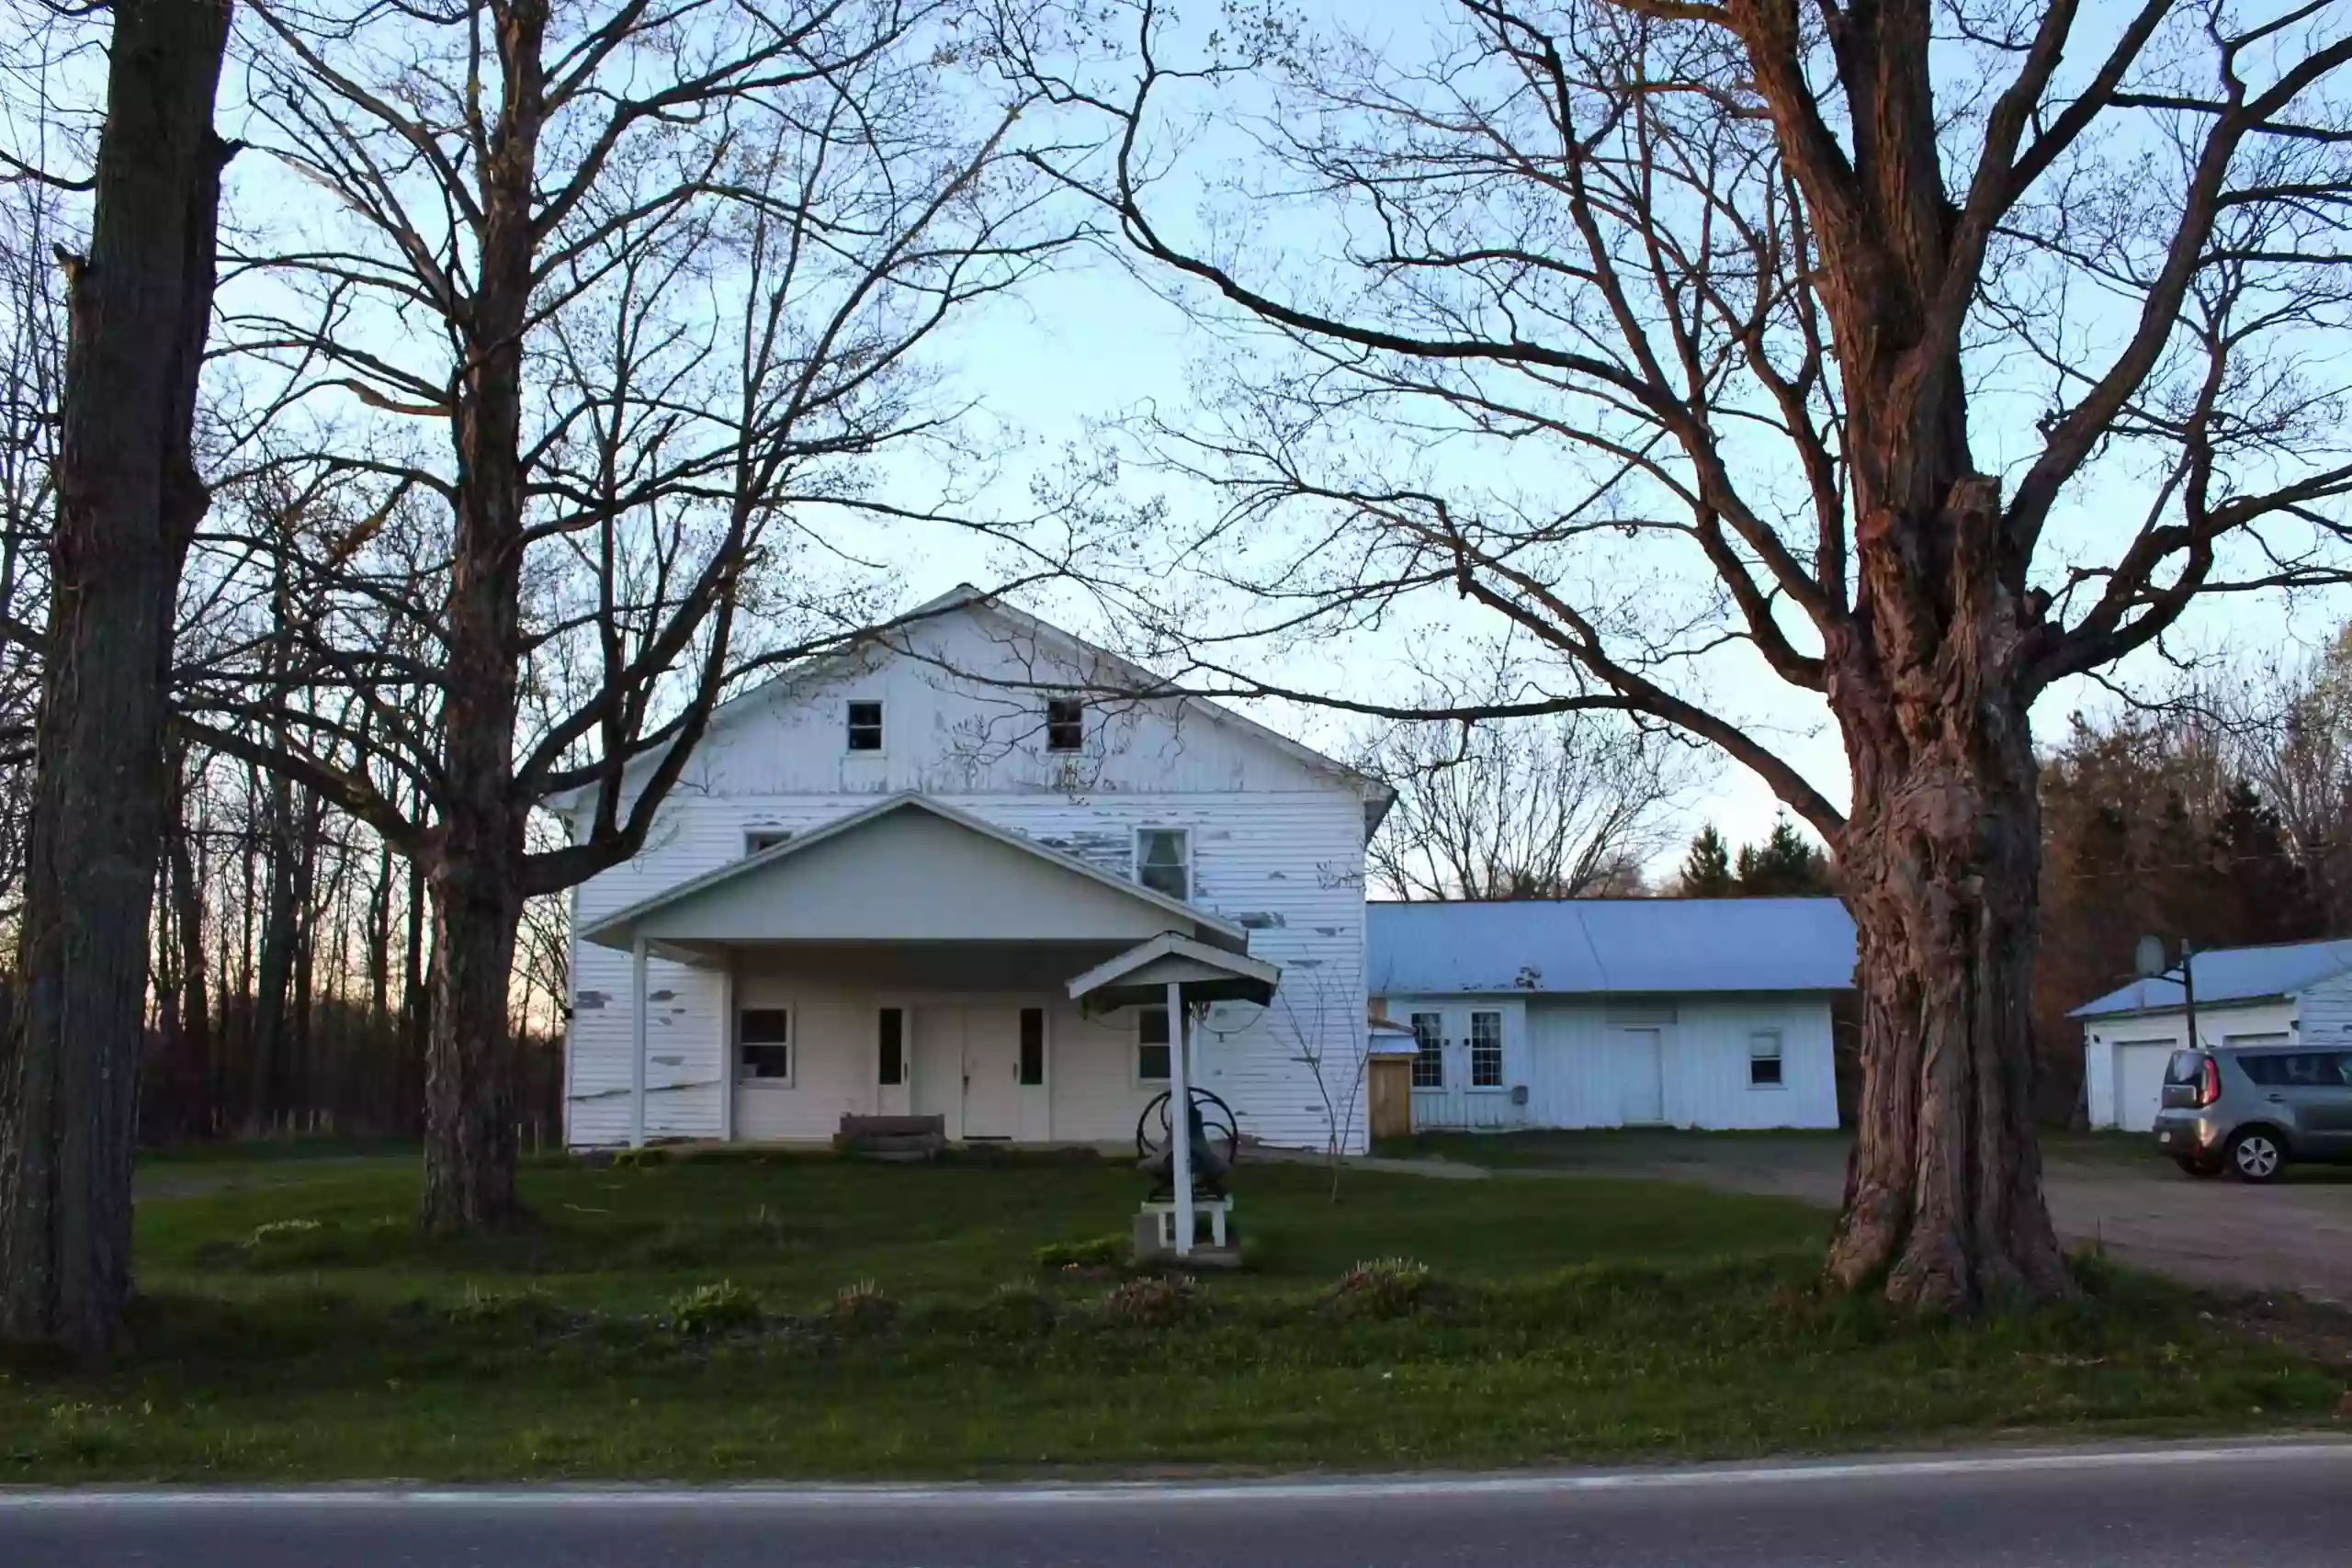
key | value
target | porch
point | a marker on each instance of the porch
(914, 960)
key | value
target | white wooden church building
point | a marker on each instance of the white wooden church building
(909, 881)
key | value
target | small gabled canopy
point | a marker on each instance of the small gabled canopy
(908, 870)
(1141, 976)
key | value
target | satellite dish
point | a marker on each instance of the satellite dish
(2148, 956)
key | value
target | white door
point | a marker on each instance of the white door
(1641, 1081)
(938, 1061)
(991, 1072)
(2140, 1085)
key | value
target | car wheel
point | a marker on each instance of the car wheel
(2257, 1155)
(2198, 1165)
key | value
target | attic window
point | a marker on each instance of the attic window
(760, 838)
(1065, 723)
(865, 727)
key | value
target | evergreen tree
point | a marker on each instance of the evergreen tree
(1785, 866)
(1706, 870)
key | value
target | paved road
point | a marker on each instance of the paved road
(2285, 1506)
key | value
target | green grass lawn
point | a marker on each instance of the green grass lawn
(296, 1326)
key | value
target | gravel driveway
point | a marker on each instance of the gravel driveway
(2296, 1235)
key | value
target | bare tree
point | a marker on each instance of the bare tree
(662, 278)
(129, 499)
(1672, 332)
(1572, 807)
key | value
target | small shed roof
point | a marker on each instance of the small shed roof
(1590, 945)
(2230, 975)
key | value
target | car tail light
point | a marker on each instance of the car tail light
(2208, 1083)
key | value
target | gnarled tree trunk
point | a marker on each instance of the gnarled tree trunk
(469, 1070)
(1939, 865)
(129, 502)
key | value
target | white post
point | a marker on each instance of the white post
(637, 1040)
(1180, 1115)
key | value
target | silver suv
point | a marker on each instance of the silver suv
(2250, 1110)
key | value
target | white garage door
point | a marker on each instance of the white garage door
(2139, 1084)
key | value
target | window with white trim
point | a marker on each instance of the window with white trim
(759, 838)
(763, 1045)
(1065, 723)
(1429, 1051)
(1764, 1059)
(1486, 1050)
(1164, 861)
(865, 727)
(1151, 1045)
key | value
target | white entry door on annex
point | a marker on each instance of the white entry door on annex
(1640, 1061)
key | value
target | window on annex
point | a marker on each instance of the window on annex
(763, 1045)
(865, 727)
(1151, 1045)
(1164, 861)
(1486, 1050)
(1429, 1051)
(1032, 1046)
(760, 838)
(890, 1045)
(1764, 1059)
(1065, 723)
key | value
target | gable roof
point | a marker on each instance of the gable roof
(1580, 946)
(964, 596)
(2230, 975)
(617, 929)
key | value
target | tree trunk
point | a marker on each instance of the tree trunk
(477, 865)
(469, 1070)
(1938, 863)
(129, 500)
(272, 1051)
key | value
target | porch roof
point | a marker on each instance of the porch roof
(908, 869)
(1142, 974)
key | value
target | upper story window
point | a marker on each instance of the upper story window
(1164, 861)
(865, 727)
(1065, 723)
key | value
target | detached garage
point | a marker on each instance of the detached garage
(1712, 1014)
(2246, 996)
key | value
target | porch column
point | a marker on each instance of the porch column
(1179, 1115)
(637, 1044)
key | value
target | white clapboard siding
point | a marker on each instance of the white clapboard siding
(1286, 865)
(953, 727)
(1578, 1057)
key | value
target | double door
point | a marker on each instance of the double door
(968, 1068)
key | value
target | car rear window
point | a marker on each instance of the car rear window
(2184, 1067)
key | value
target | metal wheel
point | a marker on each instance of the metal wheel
(1218, 1130)
(2257, 1155)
